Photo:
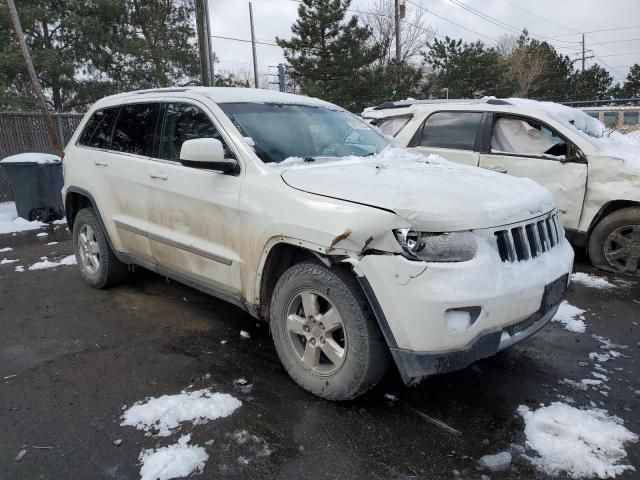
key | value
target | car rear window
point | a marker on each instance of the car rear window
(97, 131)
(135, 128)
(455, 130)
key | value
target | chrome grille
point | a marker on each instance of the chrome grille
(529, 240)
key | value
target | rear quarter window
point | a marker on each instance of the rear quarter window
(97, 131)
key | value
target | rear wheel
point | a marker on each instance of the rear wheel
(98, 265)
(324, 334)
(614, 243)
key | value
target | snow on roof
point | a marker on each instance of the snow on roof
(32, 157)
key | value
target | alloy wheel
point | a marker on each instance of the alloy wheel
(89, 249)
(316, 332)
(622, 248)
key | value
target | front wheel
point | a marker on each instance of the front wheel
(324, 332)
(98, 265)
(614, 243)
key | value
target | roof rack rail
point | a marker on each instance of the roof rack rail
(408, 103)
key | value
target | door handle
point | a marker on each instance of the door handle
(497, 169)
(101, 163)
(159, 175)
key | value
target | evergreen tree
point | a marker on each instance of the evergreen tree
(631, 87)
(467, 70)
(329, 57)
(83, 51)
(594, 83)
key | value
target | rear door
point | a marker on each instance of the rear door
(454, 135)
(193, 212)
(526, 147)
(123, 140)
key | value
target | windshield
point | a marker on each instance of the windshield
(280, 131)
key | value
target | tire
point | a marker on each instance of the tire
(614, 243)
(365, 355)
(108, 270)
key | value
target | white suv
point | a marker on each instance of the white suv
(302, 214)
(593, 172)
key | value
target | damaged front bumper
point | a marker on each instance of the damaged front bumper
(441, 317)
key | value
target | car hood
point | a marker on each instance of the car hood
(429, 192)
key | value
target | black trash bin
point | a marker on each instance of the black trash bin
(36, 181)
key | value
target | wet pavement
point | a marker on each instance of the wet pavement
(71, 357)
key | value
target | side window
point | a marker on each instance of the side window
(630, 118)
(186, 122)
(135, 128)
(520, 136)
(455, 130)
(97, 132)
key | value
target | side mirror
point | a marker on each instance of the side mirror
(206, 153)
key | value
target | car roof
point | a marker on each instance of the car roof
(218, 95)
(489, 104)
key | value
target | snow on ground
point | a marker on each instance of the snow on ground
(166, 412)
(175, 461)
(19, 268)
(580, 443)
(6, 261)
(6, 249)
(592, 281)
(10, 222)
(32, 157)
(571, 317)
(45, 263)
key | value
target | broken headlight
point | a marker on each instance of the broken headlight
(437, 247)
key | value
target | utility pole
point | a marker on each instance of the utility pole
(35, 82)
(204, 42)
(282, 79)
(583, 57)
(397, 19)
(253, 47)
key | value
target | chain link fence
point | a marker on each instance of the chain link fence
(26, 132)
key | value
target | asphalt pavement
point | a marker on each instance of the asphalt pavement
(72, 357)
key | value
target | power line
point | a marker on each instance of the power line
(630, 27)
(539, 16)
(450, 21)
(245, 40)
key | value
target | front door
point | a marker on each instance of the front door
(193, 217)
(523, 147)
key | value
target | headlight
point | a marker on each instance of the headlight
(437, 247)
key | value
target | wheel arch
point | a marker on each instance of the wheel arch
(280, 254)
(76, 199)
(607, 209)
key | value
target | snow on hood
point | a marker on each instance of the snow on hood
(609, 142)
(428, 191)
(32, 157)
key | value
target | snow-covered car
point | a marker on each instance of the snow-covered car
(299, 212)
(593, 172)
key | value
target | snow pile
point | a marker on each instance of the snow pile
(6, 249)
(46, 263)
(6, 261)
(499, 462)
(10, 222)
(571, 317)
(175, 461)
(580, 443)
(592, 281)
(166, 412)
(32, 157)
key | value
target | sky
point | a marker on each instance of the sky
(559, 22)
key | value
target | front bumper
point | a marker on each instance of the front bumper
(412, 301)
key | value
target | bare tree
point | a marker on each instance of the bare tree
(414, 33)
(526, 65)
(506, 45)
